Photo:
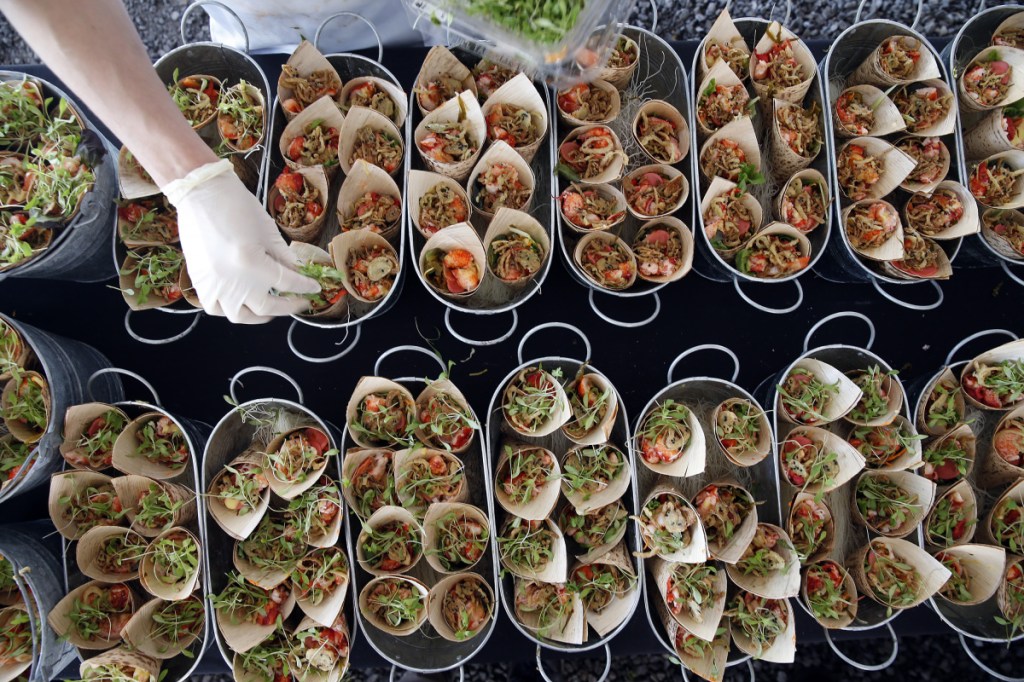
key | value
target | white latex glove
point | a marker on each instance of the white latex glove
(234, 252)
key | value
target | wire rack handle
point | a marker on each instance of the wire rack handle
(604, 675)
(704, 346)
(874, 8)
(124, 372)
(254, 369)
(200, 3)
(835, 316)
(977, 335)
(373, 29)
(554, 325)
(865, 666)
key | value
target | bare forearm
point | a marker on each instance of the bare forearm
(94, 48)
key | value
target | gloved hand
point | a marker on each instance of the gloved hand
(234, 252)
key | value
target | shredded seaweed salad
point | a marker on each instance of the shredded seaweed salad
(542, 21)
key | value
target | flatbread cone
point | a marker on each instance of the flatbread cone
(126, 282)
(1015, 160)
(983, 565)
(64, 486)
(241, 635)
(895, 397)
(124, 659)
(376, 621)
(466, 108)
(891, 249)
(988, 136)
(617, 165)
(849, 461)
(380, 518)
(910, 483)
(127, 458)
(781, 650)
(778, 584)
(155, 586)
(696, 551)
(1012, 56)
(722, 75)
(662, 109)
(357, 119)
(556, 567)
(849, 584)
(887, 118)
(347, 242)
(964, 434)
(311, 673)
(602, 431)
(808, 176)
(139, 632)
(711, 666)
(731, 551)
(842, 402)
(946, 124)
(896, 165)
(435, 604)
(614, 100)
(946, 378)
(545, 497)
(365, 387)
(671, 172)
(620, 76)
(933, 574)
(14, 667)
(561, 413)
(671, 225)
(1012, 351)
(308, 253)
(77, 421)
(722, 32)
(306, 59)
(614, 489)
(825, 548)
(131, 183)
(1014, 493)
(403, 462)
(238, 527)
(872, 73)
(943, 267)
(90, 546)
(440, 62)
(573, 629)
(784, 230)
(741, 131)
(711, 616)
(60, 618)
(327, 610)
(458, 236)
(395, 93)
(621, 605)
(521, 92)
(964, 489)
(499, 152)
(447, 388)
(1008, 604)
(803, 57)
(323, 111)
(993, 470)
(255, 96)
(506, 220)
(309, 233)
(692, 460)
(353, 458)
(419, 185)
(436, 513)
(603, 238)
(785, 161)
(129, 490)
(720, 186)
(362, 177)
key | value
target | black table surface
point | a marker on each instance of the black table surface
(192, 374)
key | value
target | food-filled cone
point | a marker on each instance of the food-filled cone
(357, 119)
(606, 238)
(188, 290)
(894, 403)
(988, 136)
(946, 378)
(431, 541)
(398, 97)
(711, 614)
(365, 387)
(77, 421)
(521, 92)
(621, 605)
(347, 242)
(419, 185)
(842, 402)
(685, 236)
(964, 434)
(1015, 90)
(944, 161)
(609, 192)
(964, 489)
(662, 109)
(994, 471)
(782, 650)
(130, 241)
(848, 460)
(669, 171)
(614, 489)
(255, 95)
(720, 186)
(722, 75)
(308, 253)
(360, 178)
(137, 664)
(1014, 159)
(900, 269)
(376, 621)
(238, 526)
(545, 497)
(126, 283)
(614, 99)
(380, 518)
(731, 551)
(1011, 23)
(459, 236)
(696, 551)
(89, 547)
(325, 111)
(722, 32)
(587, 556)
(932, 573)
(326, 612)
(916, 486)
(435, 603)
(601, 432)
(946, 124)
(1012, 352)
(573, 630)
(59, 618)
(850, 586)
(968, 222)
(620, 76)
(785, 161)
(443, 386)
(310, 232)
(911, 458)
(403, 461)
(464, 107)
(13, 667)
(130, 181)
(1003, 598)
(499, 152)
(983, 565)
(778, 584)
(440, 62)
(871, 72)
(786, 230)
(506, 220)
(150, 579)
(556, 567)
(890, 250)
(306, 59)
(896, 165)
(617, 165)
(712, 665)
(353, 458)
(240, 635)
(803, 56)
(887, 118)
(763, 445)
(741, 131)
(693, 457)
(311, 673)
(63, 486)
(1015, 493)
(829, 525)
(139, 633)
(127, 459)
(266, 577)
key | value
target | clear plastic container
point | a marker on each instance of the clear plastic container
(589, 41)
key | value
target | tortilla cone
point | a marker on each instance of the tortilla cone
(691, 461)
(669, 224)
(545, 497)
(830, 530)
(712, 666)
(850, 461)
(764, 439)
(357, 119)
(777, 584)
(574, 627)
(502, 223)
(123, 658)
(785, 161)
(782, 649)
(129, 181)
(784, 230)
(894, 389)
(965, 490)
(353, 458)
(615, 488)
(722, 32)
(12, 669)
(870, 72)
(803, 56)
(948, 379)
(131, 487)
(1013, 350)
(443, 386)
(375, 620)
(600, 432)
(896, 165)
(77, 421)
(1003, 599)
(965, 434)
(126, 457)
(662, 109)
(312, 674)
(65, 485)
(621, 605)
(917, 486)
(1012, 56)
(669, 171)
(324, 110)
(310, 232)
(435, 604)
(947, 123)
(138, 633)
(365, 387)
(721, 186)
(741, 131)
(722, 75)
(435, 513)
(607, 238)
(308, 253)
(151, 582)
(620, 77)
(451, 111)
(615, 168)
(404, 459)
(891, 249)
(888, 119)
(987, 137)
(441, 62)
(255, 95)
(984, 567)
(347, 242)
(521, 92)
(381, 517)
(994, 471)
(500, 152)
(398, 97)
(126, 282)
(59, 619)
(662, 571)
(326, 612)
(419, 185)
(731, 551)
(458, 236)
(554, 571)
(933, 574)
(944, 269)
(851, 612)
(841, 403)
(242, 636)
(1016, 493)
(696, 551)
(615, 102)
(88, 549)
(306, 59)
(234, 525)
